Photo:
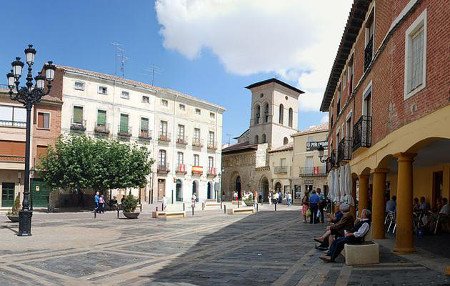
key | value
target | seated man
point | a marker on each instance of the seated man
(337, 229)
(361, 229)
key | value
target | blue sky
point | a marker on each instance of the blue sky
(206, 48)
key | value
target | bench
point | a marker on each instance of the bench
(166, 215)
(248, 210)
(360, 254)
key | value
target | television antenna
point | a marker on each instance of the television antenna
(152, 71)
(120, 54)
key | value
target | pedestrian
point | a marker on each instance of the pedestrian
(280, 197)
(270, 197)
(321, 205)
(101, 204)
(289, 199)
(305, 205)
(314, 206)
(164, 203)
(96, 201)
(275, 198)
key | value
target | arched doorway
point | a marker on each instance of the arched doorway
(278, 187)
(264, 190)
(209, 194)
(238, 187)
(179, 191)
(195, 189)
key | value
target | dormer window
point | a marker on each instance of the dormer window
(79, 85)
(102, 90)
(145, 99)
(164, 102)
(125, 95)
(198, 111)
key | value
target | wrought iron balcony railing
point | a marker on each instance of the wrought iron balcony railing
(312, 171)
(212, 172)
(124, 131)
(368, 53)
(182, 140)
(78, 125)
(12, 158)
(163, 168)
(280, 169)
(10, 123)
(362, 133)
(212, 146)
(145, 134)
(181, 169)
(101, 128)
(196, 142)
(344, 150)
(164, 137)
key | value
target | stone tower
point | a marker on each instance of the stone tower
(274, 116)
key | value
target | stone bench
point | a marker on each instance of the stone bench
(166, 215)
(360, 254)
(245, 210)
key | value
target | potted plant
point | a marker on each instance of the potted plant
(129, 204)
(13, 214)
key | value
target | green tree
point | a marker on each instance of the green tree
(80, 162)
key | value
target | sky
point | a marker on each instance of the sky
(210, 49)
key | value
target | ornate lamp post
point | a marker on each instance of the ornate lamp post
(28, 95)
(331, 160)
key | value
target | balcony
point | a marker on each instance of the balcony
(362, 133)
(181, 169)
(163, 168)
(124, 131)
(101, 128)
(212, 172)
(344, 150)
(313, 171)
(78, 125)
(12, 158)
(280, 170)
(182, 140)
(368, 53)
(145, 135)
(197, 143)
(164, 137)
(314, 145)
(197, 170)
(212, 146)
(15, 124)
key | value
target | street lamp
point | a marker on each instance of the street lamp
(28, 95)
(330, 159)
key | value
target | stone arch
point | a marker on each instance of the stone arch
(264, 189)
(285, 141)
(179, 190)
(266, 112)
(256, 139)
(264, 138)
(257, 113)
(291, 117)
(195, 190)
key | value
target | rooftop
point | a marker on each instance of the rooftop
(274, 80)
(313, 129)
(244, 146)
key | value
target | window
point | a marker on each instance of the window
(79, 85)
(78, 114)
(283, 162)
(44, 120)
(13, 116)
(256, 139)
(162, 158)
(266, 113)
(101, 117)
(102, 90)
(348, 127)
(164, 102)
(123, 127)
(210, 162)
(182, 107)
(198, 111)
(145, 99)
(291, 117)
(257, 114)
(338, 105)
(350, 77)
(309, 162)
(211, 138)
(367, 101)
(196, 160)
(415, 55)
(163, 128)
(180, 158)
(281, 114)
(264, 139)
(344, 79)
(196, 133)
(125, 95)
(285, 140)
(181, 132)
(144, 124)
(212, 115)
(368, 51)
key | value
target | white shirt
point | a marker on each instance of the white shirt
(362, 231)
(444, 210)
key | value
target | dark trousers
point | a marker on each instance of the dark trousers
(338, 245)
(313, 217)
(322, 217)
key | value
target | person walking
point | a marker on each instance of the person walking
(305, 205)
(280, 197)
(321, 204)
(96, 201)
(314, 206)
(101, 204)
(270, 197)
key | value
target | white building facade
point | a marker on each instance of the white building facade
(182, 133)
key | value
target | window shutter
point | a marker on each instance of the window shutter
(144, 124)
(78, 114)
(123, 123)
(101, 118)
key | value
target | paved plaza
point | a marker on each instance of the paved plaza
(210, 248)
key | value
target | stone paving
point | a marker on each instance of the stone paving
(210, 248)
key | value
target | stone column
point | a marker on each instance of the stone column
(353, 194)
(363, 193)
(404, 242)
(378, 204)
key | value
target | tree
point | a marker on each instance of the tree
(80, 162)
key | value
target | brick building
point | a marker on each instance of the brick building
(388, 103)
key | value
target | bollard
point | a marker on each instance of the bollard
(221, 205)
(193, 210)
(95, 213)
(184, 207)
(203, 206)
(275, 207)
(257, 206)
(156, 208)
(162, 206)
(224, 209)
(117, 212)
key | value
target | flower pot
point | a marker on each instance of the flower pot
(131, 215)
(13, 218)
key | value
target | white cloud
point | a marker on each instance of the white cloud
(324, 119)
(297, 39)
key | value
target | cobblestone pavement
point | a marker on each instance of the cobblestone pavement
(211, 248)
